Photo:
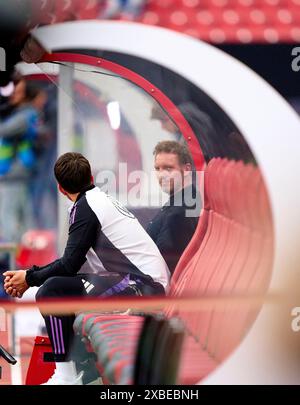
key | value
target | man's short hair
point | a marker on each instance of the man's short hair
(176, 148)
(73, 172)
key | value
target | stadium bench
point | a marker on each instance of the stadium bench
(230, 255)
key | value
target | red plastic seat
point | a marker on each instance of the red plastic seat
(37, 247)
(233, 21)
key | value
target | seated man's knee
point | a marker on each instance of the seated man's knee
(48, 289)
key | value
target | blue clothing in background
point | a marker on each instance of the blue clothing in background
(17, 136)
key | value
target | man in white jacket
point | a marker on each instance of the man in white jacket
(107, 253)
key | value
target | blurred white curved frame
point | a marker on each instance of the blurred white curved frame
(270, 126)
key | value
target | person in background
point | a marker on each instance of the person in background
(167, 124)
(173, 227)
(18, 133)
(43, 188)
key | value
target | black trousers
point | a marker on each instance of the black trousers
(60, 328)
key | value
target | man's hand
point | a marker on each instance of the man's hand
(15, 283)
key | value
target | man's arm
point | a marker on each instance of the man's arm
(82, 236)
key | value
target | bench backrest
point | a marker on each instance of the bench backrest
(230, 256)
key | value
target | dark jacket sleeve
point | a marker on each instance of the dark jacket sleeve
(82, 236)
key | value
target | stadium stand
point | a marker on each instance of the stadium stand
(217, 21)
(230, 256)
(231, 21)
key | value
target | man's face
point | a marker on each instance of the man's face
(170, 173)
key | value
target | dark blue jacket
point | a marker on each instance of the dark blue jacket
(172, 228)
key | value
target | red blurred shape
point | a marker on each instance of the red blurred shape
(37, 247)
(40, 371)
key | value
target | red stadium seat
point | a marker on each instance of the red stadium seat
(37, 247)
(233, 21)
(217, 21)
(86, 9)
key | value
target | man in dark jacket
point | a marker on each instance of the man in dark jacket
(174, 225)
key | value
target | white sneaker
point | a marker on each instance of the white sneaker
(59, 379)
